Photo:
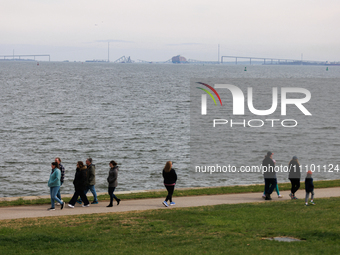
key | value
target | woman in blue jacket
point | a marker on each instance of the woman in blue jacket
(54, 184)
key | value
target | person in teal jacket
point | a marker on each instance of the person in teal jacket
(54, 184)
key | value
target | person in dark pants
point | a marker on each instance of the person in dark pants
(80, 183)
(269, 174)
(170, 178)
(91, 181)
(112, 180)
(309, 186)
(294, 176)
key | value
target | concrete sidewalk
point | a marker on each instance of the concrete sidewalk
(34, 211)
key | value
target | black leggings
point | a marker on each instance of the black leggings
(170, 190)
(77, 193)
(295, 185)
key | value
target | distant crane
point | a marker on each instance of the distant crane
(124, 60)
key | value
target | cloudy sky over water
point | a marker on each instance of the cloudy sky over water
(156, 30)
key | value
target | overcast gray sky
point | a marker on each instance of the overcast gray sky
(156, 30)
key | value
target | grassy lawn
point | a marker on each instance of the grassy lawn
(180, 193)
(221, 229)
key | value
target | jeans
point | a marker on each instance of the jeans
(53, 193)
(93, 191)
(112, 196)
(307, 196)
(270, 184)
(58, 194)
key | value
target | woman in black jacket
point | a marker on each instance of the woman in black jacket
(80, 183)
(170, 178)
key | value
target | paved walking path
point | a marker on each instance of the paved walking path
(33, 211)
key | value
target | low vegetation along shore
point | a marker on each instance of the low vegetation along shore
(181, 193)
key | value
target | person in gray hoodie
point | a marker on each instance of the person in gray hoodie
(294, 176)
(112, 180)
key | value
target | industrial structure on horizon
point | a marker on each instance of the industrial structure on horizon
(182, 60)
(22, 57)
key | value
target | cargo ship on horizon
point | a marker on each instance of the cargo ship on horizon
(179, 59)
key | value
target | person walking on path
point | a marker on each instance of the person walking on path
(276, 189)
(170, 178)
(79, 182)
(91, 180)
(269, 174)
(62, 170)
(294, 176)
(54, 184)
(309, 187)
(112, 180)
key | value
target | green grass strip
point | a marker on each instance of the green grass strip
(221, 229)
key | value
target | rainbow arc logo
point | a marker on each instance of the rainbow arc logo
(204, 97)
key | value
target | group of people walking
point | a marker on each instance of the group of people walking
(294, 177)
(84, 180)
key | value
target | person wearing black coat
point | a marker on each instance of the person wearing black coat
(269, 174)
(80, 184)
(309, 187)
(170, 178)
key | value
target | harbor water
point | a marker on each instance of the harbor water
(135, 114)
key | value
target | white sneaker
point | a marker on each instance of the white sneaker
(86, 205)
(280, 196)
(69, 205)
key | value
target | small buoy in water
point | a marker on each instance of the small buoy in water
(245, 69)
(37, 63)
(327, 68)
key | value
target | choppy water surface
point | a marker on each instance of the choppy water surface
(136, 114)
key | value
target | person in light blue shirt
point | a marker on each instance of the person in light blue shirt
(54, 184)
